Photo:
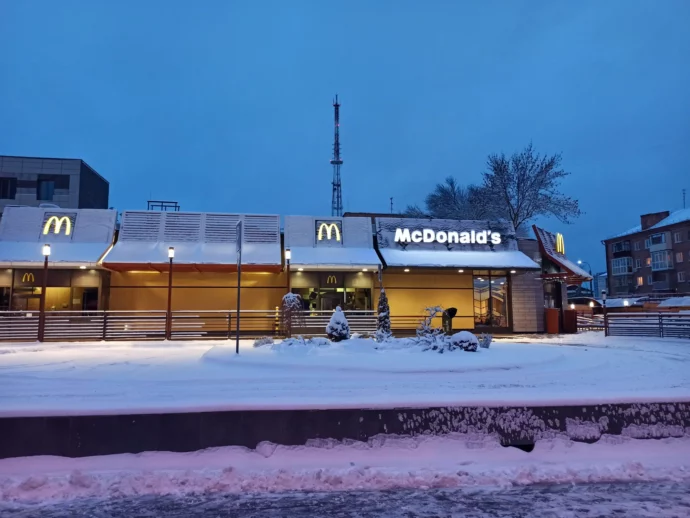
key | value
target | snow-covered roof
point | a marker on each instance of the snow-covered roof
(548, 244)
(620, 303)
(199, 238)
(457, 259)
(501, 255)
(678, 216)
(676, 302)
(330, 243)
(77, 237)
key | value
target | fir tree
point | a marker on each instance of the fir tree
(338, 328)
(383, 318)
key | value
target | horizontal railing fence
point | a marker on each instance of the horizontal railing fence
(662, 325)
(589, 322)
(18, 325)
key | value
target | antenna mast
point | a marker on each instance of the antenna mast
(683, 198)
(336, 162)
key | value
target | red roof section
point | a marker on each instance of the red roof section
(547, 244)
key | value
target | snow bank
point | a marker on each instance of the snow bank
(384, 462)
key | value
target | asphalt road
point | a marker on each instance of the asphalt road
(629, 500)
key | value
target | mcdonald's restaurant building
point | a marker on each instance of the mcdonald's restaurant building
(78, 240)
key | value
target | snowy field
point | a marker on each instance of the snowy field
(382, 463)
(131, 377)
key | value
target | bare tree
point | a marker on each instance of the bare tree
(526, 185)
(450, 200)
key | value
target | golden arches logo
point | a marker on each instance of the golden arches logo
(57, 223)
(331, 280)
(28, 277)
(560, 244)
(330, 229)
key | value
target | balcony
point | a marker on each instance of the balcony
(659, 242)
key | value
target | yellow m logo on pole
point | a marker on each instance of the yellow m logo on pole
(560, 244)
(57, 223)
(28, 277)
(330, 229)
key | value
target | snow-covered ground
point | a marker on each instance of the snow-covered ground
(382, 463)
(131, 377)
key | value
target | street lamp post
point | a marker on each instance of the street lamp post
(42, 308)
(606, 322)
(168, 317)
(589, 270)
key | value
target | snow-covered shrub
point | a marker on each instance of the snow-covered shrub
(315, 341)
(291, 313)
(264, 340)
(463, 340)
(428, 336)
(485, 340)
(383, 318)
(338, 329)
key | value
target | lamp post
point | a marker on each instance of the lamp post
(288, 256)
(606, 323)
(168, 317)
(589, 270)
(42, 309)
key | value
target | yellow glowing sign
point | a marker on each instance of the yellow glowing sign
(28, 277)
(330, 229)
(57, 223)
(331, 280)
(560, 244)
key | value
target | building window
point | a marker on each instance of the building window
(662, 260)
(621, 246)
(648, 261)
(679, 257)
(8, 188)
(676, 237)
(45, 190)
(681, 276)
(621, 266)
(658, 239)
(646, 244)
(491, 300)
(649, 280)
(638, 263)
(637, 245)
(640, 281)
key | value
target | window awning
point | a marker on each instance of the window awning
(548, 245)
(461, 259)
(334, 258)
(208, 257)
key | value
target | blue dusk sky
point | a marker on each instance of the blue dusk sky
(226, 105)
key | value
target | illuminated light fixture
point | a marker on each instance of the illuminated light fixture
(82, 267)
(626, 302)
(171, 252)
(300, 269)
(406, 270)
(461, 271)
(513, 271)
(591, 304)
(492, 282)
(288, 254)
(46, 250)
(502, 283)
(572, 306)
(365, 269)
(579, 261)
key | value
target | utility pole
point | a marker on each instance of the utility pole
(391, 204)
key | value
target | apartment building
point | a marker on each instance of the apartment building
(653, 256)
(67, 183)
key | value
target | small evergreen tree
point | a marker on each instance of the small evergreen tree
(383, 318)
(338, 329)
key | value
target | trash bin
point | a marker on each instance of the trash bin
(447, 320)
(569, 321)
(552, 320)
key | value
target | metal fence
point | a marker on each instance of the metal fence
(662, 325)
(589, 322)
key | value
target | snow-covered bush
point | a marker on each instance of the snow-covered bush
(463, 340)
(291, 313)
(264, 340)
(485, 340)
(383, 318)
(427, 335)
(316, 341)
(338, 329)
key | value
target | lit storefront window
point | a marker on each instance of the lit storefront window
(490, 298)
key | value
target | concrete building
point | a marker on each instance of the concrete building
(652, 257)
(67, 183)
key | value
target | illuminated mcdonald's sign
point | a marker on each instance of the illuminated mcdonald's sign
(331, 229)
(57, 223)
(560, 244)
(331, 279)
(28, 277)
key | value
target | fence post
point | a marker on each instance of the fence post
(229, 324)
(606, 324)
(105, 325)
(661, 326)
